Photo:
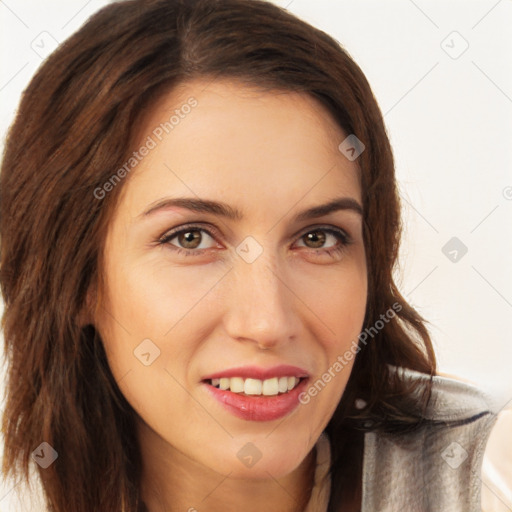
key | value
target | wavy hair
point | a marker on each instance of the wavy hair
(74, 127)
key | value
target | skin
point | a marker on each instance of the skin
(271, 155)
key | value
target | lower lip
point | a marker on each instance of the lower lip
(258, 408)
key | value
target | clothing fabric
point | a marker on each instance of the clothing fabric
(436, 468)
(497, 464)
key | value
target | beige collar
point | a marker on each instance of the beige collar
(320, 494)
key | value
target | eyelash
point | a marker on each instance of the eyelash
(339, 234)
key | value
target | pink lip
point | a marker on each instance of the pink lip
(259, 408)
(256, 372)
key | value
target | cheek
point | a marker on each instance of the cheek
(152, 325)
(151, 298)
(338, 299)
(339, 321)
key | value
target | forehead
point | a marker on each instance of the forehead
(228, 141)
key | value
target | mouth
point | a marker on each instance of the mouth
(256, 394)
(256, 387)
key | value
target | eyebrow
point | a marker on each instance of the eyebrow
(227, 211)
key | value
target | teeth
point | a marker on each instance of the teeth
(237, 385)
(252, 387)
(271, 386)
(268, 387)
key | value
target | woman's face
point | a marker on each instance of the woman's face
(222, 271)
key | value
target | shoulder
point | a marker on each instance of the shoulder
(437, 465)
(452, 399)
(497, 465)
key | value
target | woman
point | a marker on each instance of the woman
(199, 223)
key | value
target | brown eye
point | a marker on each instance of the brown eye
(190, 239)
(193, 239)
(315, 239)
(325, 240)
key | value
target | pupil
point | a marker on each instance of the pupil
(190, 239)
(317, 240)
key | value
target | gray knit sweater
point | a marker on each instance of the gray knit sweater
(433, 469)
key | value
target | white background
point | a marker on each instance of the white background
(449, 117)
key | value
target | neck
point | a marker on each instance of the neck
(172, 482)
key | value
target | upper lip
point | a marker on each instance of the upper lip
(258, 372)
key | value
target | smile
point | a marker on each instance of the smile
(257, 394)
(267, 387)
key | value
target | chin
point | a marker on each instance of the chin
(262, 470)
(250, 462)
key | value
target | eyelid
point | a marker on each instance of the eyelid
(168, 235)
(328, 228)
(213, 232)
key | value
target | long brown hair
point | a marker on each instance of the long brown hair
(74, 128)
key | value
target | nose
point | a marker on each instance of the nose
(260, 305)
